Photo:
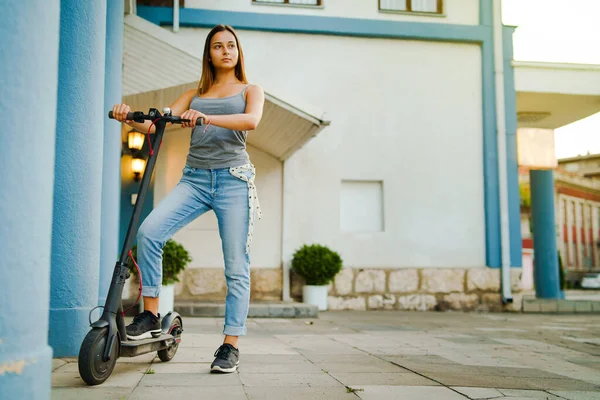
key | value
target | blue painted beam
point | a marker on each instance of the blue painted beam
(195, 17)
(111, 164)
(28, 78)
(78, 173)
(512, 173)
(493, 242)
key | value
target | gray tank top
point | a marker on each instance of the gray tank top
(218, 147)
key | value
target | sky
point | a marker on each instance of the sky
(565, 32)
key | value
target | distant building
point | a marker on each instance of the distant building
(577, 188)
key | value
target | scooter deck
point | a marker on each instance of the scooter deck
(132, 348)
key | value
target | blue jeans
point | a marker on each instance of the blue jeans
(199, 191)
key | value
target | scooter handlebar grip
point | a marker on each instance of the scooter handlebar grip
(130, 115)
(199, 121)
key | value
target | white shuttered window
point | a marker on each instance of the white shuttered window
(417, 6)
(297, 2)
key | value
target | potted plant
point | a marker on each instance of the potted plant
(318, 265)
(175, 259)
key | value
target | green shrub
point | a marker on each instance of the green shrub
(317, 264)
(175, 259)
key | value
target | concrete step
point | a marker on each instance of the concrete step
(257, 310)
(531, 304)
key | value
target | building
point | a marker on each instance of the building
(423, 248)
(389, 135)
(577, 199)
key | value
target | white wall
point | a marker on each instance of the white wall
(464, 12)
(407, 113)
(201, 237)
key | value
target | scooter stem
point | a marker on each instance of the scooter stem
(111, 315)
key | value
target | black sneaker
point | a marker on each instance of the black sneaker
(227, 359)
(144, 326)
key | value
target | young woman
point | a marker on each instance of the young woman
(218, 176)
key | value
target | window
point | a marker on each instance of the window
(291, 2)
(158, 3)
(416, 6)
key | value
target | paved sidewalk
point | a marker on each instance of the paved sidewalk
(368, 355)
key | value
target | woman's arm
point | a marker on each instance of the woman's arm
(255, 100)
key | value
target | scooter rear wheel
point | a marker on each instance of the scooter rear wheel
(92, 368)
(175, 330)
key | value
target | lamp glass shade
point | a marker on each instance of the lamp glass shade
(138, 165)
(135, 140)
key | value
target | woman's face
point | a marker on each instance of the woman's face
(223, 50)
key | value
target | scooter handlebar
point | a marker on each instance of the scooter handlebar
(140, 116)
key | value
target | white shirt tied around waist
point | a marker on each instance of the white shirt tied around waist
(253, 202)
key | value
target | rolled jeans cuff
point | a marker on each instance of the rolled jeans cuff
(234, 330)
(151, 291)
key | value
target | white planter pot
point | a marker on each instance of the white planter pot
(315, 295)
(166, 300)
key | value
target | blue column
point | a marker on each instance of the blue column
(545, 254)
(111, 165)
(28, 78)
(78, 173)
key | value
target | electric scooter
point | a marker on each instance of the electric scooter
(107, 340)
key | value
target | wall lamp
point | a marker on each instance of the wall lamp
(135, 140)
(135, 143)
(137, 167)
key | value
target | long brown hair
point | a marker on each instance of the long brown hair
(208, 69)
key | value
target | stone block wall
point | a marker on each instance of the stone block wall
(465, 289)
(208, 284)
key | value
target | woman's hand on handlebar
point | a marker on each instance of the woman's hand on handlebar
(192, 115)
(120, 112)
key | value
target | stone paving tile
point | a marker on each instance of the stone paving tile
(274, 368)
(478, 393)
(478, 370)
(544, 397)
(312, 380)
(57, 363)
(200, 340)
(298, 393)
(528, 394)
(473, 340)
(191, 379)
(124, 375)
(188, 392)
(194, 355)
(143, 359)
(359, 358)
(316, 344)
(577, 395)
(90, 393)
(418, 359)
(382, 378)
(274, 358)
(180, 368)
(508, 382)
(374, 365)
(407, 393)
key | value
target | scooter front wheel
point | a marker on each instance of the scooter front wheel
(92, 367)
